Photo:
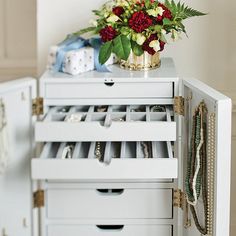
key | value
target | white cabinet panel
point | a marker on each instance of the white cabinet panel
(109, 203)
(119, 230)
(15, 184)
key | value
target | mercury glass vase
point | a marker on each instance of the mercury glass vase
(144, 62)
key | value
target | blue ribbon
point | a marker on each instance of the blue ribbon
(75, 43)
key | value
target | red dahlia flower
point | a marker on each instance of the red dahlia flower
(140, 21)
(108, 33)
(118, 11)
(166, 14)
(149, 49)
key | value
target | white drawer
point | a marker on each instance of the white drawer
(111, 89)
(114, 124)
(101, 230)
(109, 203)
(127, 162)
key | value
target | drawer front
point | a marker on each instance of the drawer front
(126, 162)
(101, 230)
(109, 203)
(114, 123)
(108, 90)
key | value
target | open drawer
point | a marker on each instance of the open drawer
(107, 123)
(109, 230)
(125, 161)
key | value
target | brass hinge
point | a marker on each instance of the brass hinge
(179, 105)
(37, 106)
(38, 199)
(179, 198)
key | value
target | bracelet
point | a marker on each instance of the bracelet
(101, 109)
(97, 151)
(157, 108)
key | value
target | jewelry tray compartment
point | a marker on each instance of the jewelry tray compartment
(113, 161)
(107, 123)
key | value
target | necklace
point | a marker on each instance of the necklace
(196, 176)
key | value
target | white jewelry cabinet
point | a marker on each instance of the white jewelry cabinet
(128, 195)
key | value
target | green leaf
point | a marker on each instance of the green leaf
(147, 3)
(158, 28)
(137, 49)
(125, 30)
(167, 21)
(162, 38)
(122, 47)
(84, 31)
(105, 52)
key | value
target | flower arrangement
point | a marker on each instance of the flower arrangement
(138, 26)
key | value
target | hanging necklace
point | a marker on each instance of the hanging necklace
(196, 176)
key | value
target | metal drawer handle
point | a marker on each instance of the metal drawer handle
(110, 192)
(110, 227)
(110, 84)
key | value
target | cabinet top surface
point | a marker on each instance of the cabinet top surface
(167, 70)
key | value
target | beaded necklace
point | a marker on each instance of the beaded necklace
(196, 176)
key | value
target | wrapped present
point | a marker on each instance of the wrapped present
(76, 55)
(52, 56)
(79, 61)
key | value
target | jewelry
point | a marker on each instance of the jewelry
(4, 141)
(67, 152)
(139, 109)
(101, 109)
(147, 149)
(63, 110)
(157, 108)
(73, 118)
(98, 152)
(118, 119)
(196, 176)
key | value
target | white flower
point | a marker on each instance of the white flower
(112, 18)
(140, 39)
(160, 11)
(175, 35)
(163, 31)
(93, 23)
(122, 3)
(155, 12)
(155, 44)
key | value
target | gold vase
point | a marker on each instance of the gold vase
(144, 62)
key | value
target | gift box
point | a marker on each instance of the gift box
(79, 61)
(52, 56)
(76, 61)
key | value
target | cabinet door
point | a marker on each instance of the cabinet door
(218, 146)
(15, 184)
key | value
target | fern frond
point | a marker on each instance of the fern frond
(180, 11)
(84, 31)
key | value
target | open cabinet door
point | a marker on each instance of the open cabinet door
(15, 185)
(218, 155)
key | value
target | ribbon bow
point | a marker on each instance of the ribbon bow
(75, 42)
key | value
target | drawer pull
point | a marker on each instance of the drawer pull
(110, 227)
(110, 84)
(110, 192)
